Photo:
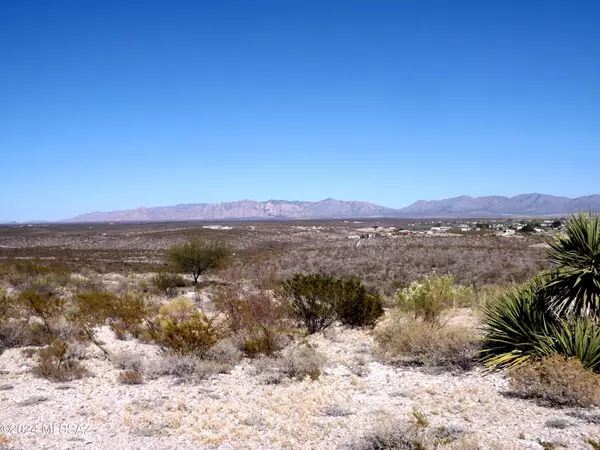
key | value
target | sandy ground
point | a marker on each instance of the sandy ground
(355, 394)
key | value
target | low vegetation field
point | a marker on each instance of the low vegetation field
(296, 335)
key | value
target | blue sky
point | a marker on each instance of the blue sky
(109, 105)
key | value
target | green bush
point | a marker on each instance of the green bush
(314, 300)
(428, 297)
(124, 314)
(182, 329)
(319, 300)
(358, 308)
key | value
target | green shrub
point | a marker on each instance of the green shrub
(41, 301)
(428, 297)
(314, 300)
(183, 329)
(358, 308)
(125, 314)
(557, 380)
(317, 301)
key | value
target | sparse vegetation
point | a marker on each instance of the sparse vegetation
(558, 381)
(182, 329)
(167, 283)
(408, 341)
(428, 297)
(57, 363)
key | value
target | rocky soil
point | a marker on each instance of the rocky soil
(240, 410)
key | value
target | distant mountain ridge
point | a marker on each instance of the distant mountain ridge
(463, 206)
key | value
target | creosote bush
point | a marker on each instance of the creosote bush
(556, 380)
(57, 362)
(125, 314)
(182, 329)
(317, 301)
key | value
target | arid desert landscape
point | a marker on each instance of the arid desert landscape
(106, 342)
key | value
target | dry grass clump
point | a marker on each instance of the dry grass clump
(185, 367)
(301, 362)
(409, 341)
(556, 380)
(131, 377)
(417, 434)
(58, 362)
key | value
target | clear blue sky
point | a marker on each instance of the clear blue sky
(109, 105)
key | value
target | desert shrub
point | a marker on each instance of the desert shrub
(255, 317)
(428, 297)
(131, 377)
(128, 360)
(302, 361)
(57, 362)
(124, 314)
(43, 302)
(167, 283)
(358, 308)
(313, 299)
(317, 301)
(182, 329)
(557, 380)
(417, 342)
(185, 367)
(224, 352)
(15, 333)
(198, 256)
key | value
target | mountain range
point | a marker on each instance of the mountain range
(463, 206)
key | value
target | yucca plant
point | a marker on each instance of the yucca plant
(578, 337)
(518, 326)
(575, 283)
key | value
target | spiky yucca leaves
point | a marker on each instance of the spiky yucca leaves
(518, 326)
(575, 284)
(577, 337)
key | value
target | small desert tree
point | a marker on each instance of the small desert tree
(197, 256)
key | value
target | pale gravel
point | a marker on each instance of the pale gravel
(236, 411)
